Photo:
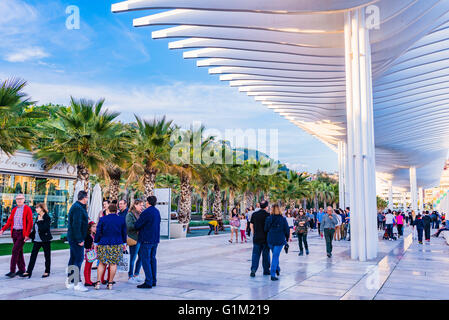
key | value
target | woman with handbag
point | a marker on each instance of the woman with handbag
(110, 243)
(131, 218)
(301, 231)
(90, 254)
(41, 237)
(235, 225)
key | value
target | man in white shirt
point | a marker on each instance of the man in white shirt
(389, 221)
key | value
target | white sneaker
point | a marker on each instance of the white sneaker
(69, 285)
(80, 287)
(132, 280)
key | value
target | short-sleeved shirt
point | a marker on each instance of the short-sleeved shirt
(258, 220)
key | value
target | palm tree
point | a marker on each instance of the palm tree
(150, 152)
(186, 169)
(80, 136)
(16, 130)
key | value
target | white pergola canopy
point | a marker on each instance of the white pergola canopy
(290, 56)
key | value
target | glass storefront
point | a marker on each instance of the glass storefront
(56, 193)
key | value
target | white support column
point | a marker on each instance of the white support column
(341, 174)
(404, 201)
(346, 166)
(420, 199)
(413, 190)
(360, 137)
(390, 195)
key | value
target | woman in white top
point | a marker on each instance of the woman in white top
(290, 221)
(337, 234)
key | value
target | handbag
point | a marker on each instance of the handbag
(91, 255)
(123, 265)
(131, 242)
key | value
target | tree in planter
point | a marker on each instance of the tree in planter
(80, 136)
(150, 152)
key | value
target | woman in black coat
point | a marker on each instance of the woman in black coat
(41, 236)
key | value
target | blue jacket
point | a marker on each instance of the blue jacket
(319, 216)
(149, 226)
(77, 223)
(123, 213)
(278, 230)
(111, 230)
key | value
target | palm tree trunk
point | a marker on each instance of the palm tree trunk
(231, 201)
(82, 175)
(149, 181)
(244, 203)
(205, 202)
(114, 190)
(185, 203)
(217, 203)
(250, 197)
(266, 196)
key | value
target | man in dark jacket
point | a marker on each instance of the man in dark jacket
(123, 206)
(76, 233)
(260, 246)
(149, 226)
(427, 221)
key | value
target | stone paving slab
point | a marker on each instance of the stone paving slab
(212, 268)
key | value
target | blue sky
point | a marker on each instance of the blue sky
(108, 58)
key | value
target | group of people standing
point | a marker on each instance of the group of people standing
(117, 230)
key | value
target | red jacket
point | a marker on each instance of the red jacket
(27, 221)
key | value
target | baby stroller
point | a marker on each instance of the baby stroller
(387, 237)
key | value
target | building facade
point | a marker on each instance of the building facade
(20, 173)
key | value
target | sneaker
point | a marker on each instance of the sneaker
(69, 285)
(19, 273)
(266, 273)
(278, 272)
(252, 274)
(144, 286)
(274, 279)
(10, 274)
(301, 253)
(80, 287)
(328, 255)
(307, 252)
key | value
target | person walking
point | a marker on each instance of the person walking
(76, 233)
(301, 231)
(278, 234)
(249, 213)
(133, 236)
(343, 227)
(20, 222)
(149, 227)
(235, 224)
(110, 242)
(328, 223)
(380, 219)
(419, 224)
(291, 224)
(319, 217)
(41, 237)
(337, 233)
(348, 222)
(389, 222)
(260, 245)
(90, 253)
(427, 221)
(243, 224)
(400, 224)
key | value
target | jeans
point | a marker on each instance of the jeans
(259, 249)
(76, 257)
(211, 228)
(400, 229)
(390, 230)
(441, 230)
(419, 231)
(302, 238)
(17, 251)
(147, 254)
(47, 254)
(427, 232)
(275, 259)
(133, 254)
(329, 235)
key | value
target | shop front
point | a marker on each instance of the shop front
(20, 173)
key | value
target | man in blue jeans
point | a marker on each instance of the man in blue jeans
(149, 226)
(260, 245)
(76, 233)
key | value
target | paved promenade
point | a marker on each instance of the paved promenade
(212, 268)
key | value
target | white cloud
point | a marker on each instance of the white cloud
(296, 166)
(27, 54)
